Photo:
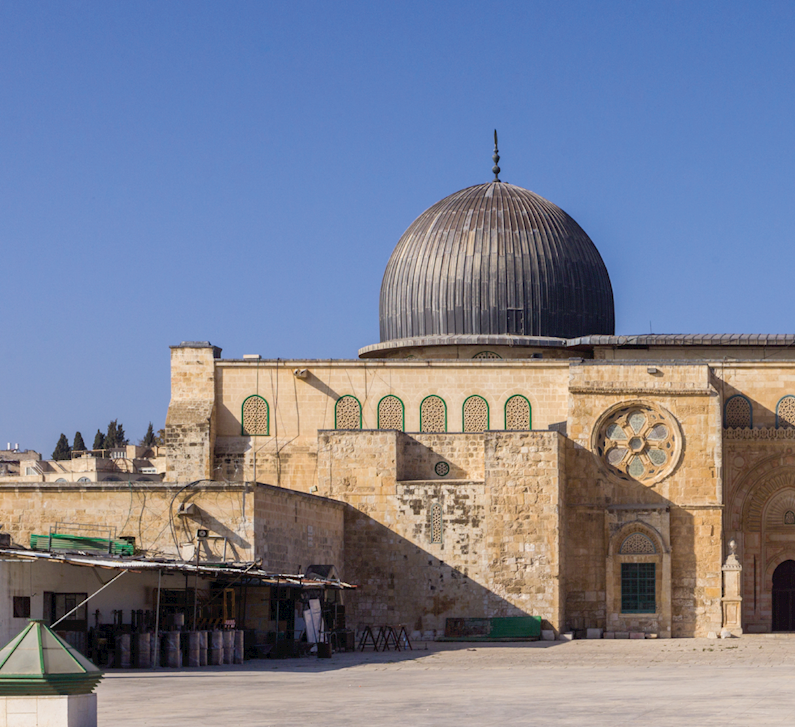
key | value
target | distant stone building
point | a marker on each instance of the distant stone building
(501, 452)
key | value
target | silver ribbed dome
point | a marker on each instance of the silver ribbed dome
(495, 259)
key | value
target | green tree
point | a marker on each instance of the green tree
(149, 437)
(79, 445)
(62, 449)
(115, 436)
(160, 439)
(99, 440)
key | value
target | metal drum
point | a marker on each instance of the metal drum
(193, 648)
(143, 650)
(229, 646)
(203, 639)
(173, 650)
(217, 648)
(123, 655)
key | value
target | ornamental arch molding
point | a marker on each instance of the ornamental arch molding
(619, 537)
(776, 510)
(761, 493)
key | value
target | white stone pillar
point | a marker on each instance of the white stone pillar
(732, 600)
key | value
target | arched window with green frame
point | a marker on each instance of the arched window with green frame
(391, 413)
(433, 414)
(255, 417)
(347, 413)
(518, 414)
(475, 414)
(785, 412)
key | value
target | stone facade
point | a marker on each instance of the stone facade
(287, 530)
(483, 538)
(515, 522)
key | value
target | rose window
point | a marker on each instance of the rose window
(638, 442)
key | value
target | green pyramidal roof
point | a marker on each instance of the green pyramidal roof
(37, 661)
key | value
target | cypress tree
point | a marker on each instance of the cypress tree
(149, 437)
(99, 440)
(111, 435)
(79, 445)
(121, 437)
(62, 449)
(115, 436)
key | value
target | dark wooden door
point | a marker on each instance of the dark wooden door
(784, 597)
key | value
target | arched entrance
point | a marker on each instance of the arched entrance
(784, 597)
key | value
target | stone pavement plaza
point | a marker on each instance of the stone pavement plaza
(743, 681)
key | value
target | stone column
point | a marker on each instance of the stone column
(732, 600)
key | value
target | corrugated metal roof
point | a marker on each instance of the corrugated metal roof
(688, 339)
(203, 569)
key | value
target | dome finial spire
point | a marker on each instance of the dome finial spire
(496, 159)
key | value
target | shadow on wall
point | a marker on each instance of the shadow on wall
(237, 547)
(400, 582)
(601, 508)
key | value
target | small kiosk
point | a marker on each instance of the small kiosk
(44, 682)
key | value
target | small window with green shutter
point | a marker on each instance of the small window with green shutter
(638, 583)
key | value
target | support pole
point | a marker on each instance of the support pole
(156, 657)
(196, 583)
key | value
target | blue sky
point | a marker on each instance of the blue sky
(240, 172)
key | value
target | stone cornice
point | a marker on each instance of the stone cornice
(619, 388)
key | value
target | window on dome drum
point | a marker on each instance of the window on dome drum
(391, 413)
(518, 414)
(785, 412)
(475, 414)
(347, 413)
(436, 523)
(487, 354)
(638, 584)
(737, 412)
(516, 321)
(433, 414)
(255, 417)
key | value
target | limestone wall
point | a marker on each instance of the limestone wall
(425, 549)
(692, 490)
(764, 383)
(146, 511)
(294, 530)
(299, 407)
(190, 422)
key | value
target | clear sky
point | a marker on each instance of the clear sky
(240, 172)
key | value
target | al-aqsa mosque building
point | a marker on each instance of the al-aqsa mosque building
(501, 452)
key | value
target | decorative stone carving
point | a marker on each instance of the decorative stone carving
(639, 441)
(255, 416)
(348, 413)
(637, 544)
(390, 413)
(738, 412)
(517, 413)
(476, 414)
(433, 415)
(767, 433)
